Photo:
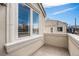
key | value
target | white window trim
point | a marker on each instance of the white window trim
(12, 37)
(11, 24)
(31, 22)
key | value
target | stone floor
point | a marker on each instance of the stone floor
(48, 50)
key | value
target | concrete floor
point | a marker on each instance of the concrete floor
(48, 50)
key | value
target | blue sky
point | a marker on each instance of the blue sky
(64, 12)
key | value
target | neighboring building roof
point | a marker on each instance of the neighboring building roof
(56, 21)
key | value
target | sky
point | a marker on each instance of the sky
(63, 12)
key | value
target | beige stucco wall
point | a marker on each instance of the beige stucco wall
(73, 44)
(59, 40)
(2, 28)
(53, 24)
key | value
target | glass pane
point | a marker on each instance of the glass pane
(23, 20)
(59, 28)
(51, 29)
(35, 23)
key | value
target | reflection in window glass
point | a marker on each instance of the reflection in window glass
(23, 20)
(35, 23)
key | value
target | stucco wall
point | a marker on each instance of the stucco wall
(25, 47)
(59, 40)
(2, 28)
(73, 45)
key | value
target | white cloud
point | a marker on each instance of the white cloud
(50, 3)
(38, 1)
(65, 10)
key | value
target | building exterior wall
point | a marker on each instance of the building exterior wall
(11, 39)
(2, 28)
(54, 24)
(13, 21)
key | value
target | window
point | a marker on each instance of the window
(35, 23)
(59, 29)
(23, 20)
(51, 29)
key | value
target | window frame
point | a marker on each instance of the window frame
(34, 10)
(29, 19)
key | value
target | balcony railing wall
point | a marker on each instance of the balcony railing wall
(58, 40)
(28, 47)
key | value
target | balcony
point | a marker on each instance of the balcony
(59, 45)
(55, 44)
